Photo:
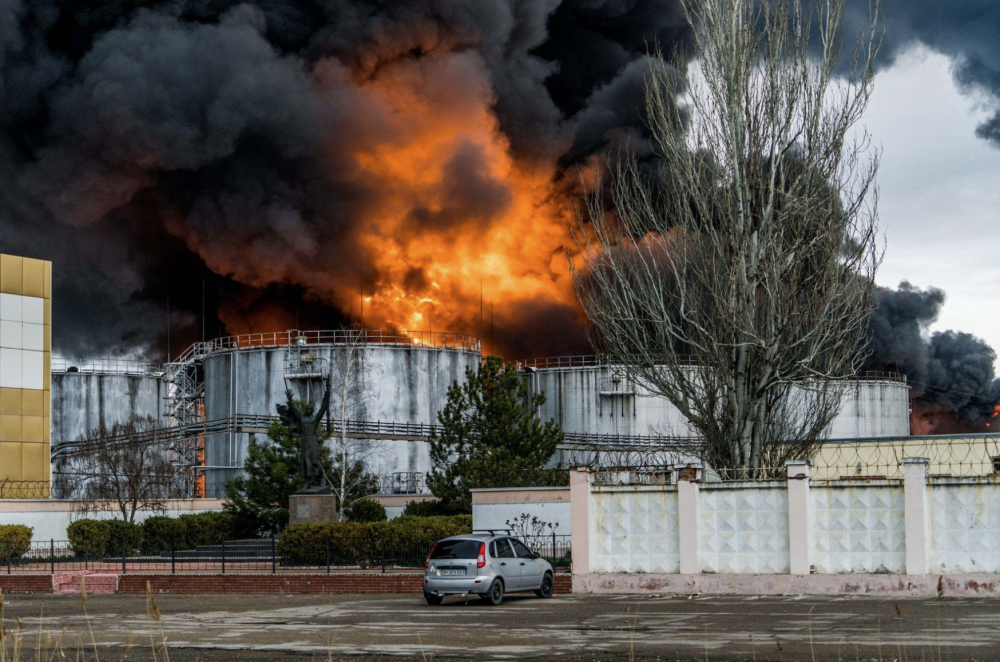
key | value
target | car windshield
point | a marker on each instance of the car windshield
(456, 549)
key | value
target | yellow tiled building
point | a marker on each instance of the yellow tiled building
(25, 350)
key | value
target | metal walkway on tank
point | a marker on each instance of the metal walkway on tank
(381, 430)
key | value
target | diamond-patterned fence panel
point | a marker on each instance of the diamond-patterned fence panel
(634, 530)
(744, 530)
(858, 528)
(964, 528)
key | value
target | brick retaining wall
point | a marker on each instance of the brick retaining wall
(203, 583)
(352, 583)
(26, 583)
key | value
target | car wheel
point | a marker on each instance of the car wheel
(433, 599)
(545, 590)
(495, 595)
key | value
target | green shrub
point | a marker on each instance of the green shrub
(361, 542)
(366, 510)
(123, 536)
(207, 528)
(426, 509)
(161, 534)
(88, 537)
(15, 540)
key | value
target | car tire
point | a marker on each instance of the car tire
(432, 599)
(546, 589)
(495, 595)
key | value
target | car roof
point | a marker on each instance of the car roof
(482, 537)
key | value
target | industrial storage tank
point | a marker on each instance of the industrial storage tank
(402, 377)
(585, 395)
(93, 394)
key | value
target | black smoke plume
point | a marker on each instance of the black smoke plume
(158, 148)
(951, 374)
(965, 30)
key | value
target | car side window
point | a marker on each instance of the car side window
(520, 550)
(504, 550)
(493, 549)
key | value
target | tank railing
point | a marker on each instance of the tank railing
(252, 423)
(596, 360)
(295, 337)
(110, 365)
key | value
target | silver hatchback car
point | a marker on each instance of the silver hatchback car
(487, 565)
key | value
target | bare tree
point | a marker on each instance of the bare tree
(127, 467)
(736, 280)
(351, 372)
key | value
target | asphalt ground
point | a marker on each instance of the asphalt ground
(219, 628)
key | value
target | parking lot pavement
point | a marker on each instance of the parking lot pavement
(577, 627)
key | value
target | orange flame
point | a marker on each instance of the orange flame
(442, 133)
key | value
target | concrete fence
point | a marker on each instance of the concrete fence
(914, 535)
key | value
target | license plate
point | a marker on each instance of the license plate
(445, 573)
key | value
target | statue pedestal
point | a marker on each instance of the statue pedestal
(312, 508)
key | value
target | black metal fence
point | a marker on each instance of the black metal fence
(266, 555)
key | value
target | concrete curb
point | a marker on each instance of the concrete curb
(983, 585)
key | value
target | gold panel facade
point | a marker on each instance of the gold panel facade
(25, 360)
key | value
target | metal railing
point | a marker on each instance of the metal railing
(252, 423)
(106, 366)
(298, 338)
(260, 556)
(594, 361)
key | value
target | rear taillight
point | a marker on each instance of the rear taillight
(481, 559)
(427, 563)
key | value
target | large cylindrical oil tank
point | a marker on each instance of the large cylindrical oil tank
(94, 394)
(401, 379)
(586, 396)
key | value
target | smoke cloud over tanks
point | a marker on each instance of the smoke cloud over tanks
(286, 157)
(295, 156)
(951, 374)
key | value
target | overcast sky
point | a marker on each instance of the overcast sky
(940, 188)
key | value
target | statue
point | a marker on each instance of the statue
(305, 426)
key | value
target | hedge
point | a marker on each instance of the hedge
(366, 510)
(15, 540)
(161, 534)
(207, 528)
(357, 542)
(88, 537)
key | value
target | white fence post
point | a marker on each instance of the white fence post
(689, 516)
(799, 529)
(915, 514)
(579, 504)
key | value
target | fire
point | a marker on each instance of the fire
(996, 412)
(433, 242)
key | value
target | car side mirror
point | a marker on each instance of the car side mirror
(536, 555)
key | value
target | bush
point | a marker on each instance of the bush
(366, 510)
(358, 543)
(426, 509)
(123, 535)
(88, 537)
(207, 528)
(15, 540)
(161, 534)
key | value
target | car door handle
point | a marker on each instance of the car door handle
(504, 563)
(522, 562)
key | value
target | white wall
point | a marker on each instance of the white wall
(847, 527)
(964, 526)
(49, 518)
(858, 528)
(635, 531)
(493, 508)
